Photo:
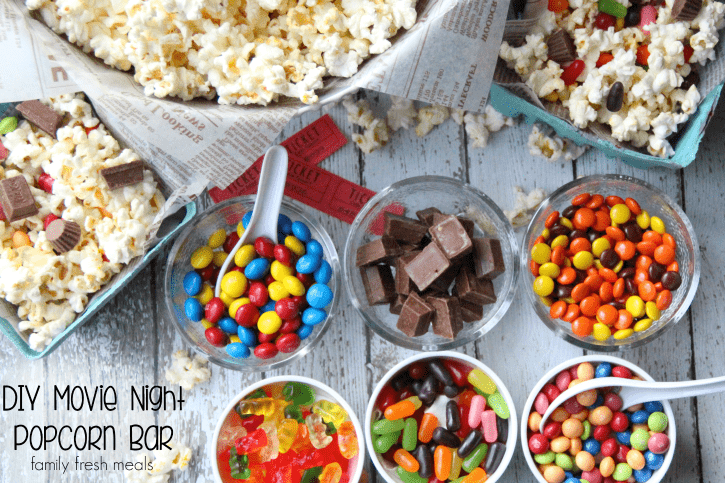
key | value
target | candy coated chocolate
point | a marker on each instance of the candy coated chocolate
(488, 259)
(427, 266)
(41, 116)
(415, 316)
(16, 199)
(123, 175)
(451, 236)
(404, 229)
(379, 284)
(379, 250)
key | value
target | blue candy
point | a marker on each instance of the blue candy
(324, 273)
(591, 446)
(257, 269)
(604, 369)
(284, 225)
(314, 248)
(247, 336)
(312, 316)
(268, 307)
(624, 437)
(192, 283)
(653, 407)
(228, 325)
(597, 403)
(301, 231)
(308, 263)
(319, 296)
(569, 474)
(654, 461)
(639, 417)
(305, 331)
(238, 350)
(245, 220)
(193, 309)
(640, 476)
(572, 480)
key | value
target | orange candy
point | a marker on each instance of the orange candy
(557, 309)
(595, 202)
(646, 248)
(427, 425)
(643, 262)
(607, 314)
(400, 410)
(613, 200)
(582, 326)
(647, 291)
(442, 461)
(590, 305)
(579, 200)
(551, 219)
(558, 6)
(566, 276)
(605, 292)
(625, 249)
(618, 288)
(652, 236)
(602, 220)
(583, 218)
(580, 245)
(633, 206)
(669, 240)
(558, 255)
(664, 254)
(608, 275)
(534, 268)
(580, 292)
(572, 312)
(406, 460)
(663, 300)
(624, 320)
(478, 475)
(615, 233)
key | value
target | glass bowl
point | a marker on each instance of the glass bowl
(451, 197)
(275, 385)
(656, 203)
(594, 359)
(226, 215)
(384, 468)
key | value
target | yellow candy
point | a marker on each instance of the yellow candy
(548, 301)
(277, 291)
(347, 440)
(543, 285)
(549, 269)
(297, 247)
(560, 241)
(618, 266)
(619, 213)
(635, 306)
(623, 334)
(601, 332)
(217, 238)
(234, 284)
(541, 253)
(642, 325)
(294, 286)
(240, 229)
(566, 222)
(583, 260)
(202, 257)
(234, 306)
(417, 403)
(330, 412)
(234, 338)
(482, 381)
(657, 224)
(643, 220)
(332, 473)
(206, 324)
(286, 432)
(545, 233)
(279, 271)
(226, 298)
(206, 294)
(599, 245)
(650, 308)
(456, 465)
(265, 406)
(598, 264)
(244, 255)
(220, 258)
(269, 322)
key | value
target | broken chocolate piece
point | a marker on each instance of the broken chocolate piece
(443, 283)
(686, 10)
(403, 284)
(16, 199)
(123, 175)
(561, 47)
(415, 316)
(426, 216)
(379, 284)
(404, 229)
(396, 306)
(379, 250)
(63, 234)
(41, 116)
(427, 266)
(447, 321)
(471, 289)
(450, 235)
(469, 225)
(488, 258)
(471, 312)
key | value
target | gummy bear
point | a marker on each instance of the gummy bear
(302, 440)
(330, 412)
(347, 440)
(254, 441)
(271, 450)
(287, 432)
(331, 473)
(318, 436)
(299, 394)
(252, 422)
(267, 407)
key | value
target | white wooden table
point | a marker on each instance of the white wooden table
(129, 344)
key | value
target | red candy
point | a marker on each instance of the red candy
(206, 272)
(216, 336)
(306, 278)
(604, 21)
(621, 456)
(258, 293)
(263, 338)
(291, 325)
(551, 392)
(538, 444)
(418, 370)
(231, 240)
(552, 430)
(48, 220)
(264, 247)
(288, 342)
(563, 380)
(287, 308)
(619, 422)
(247, 315)
(255, 440)
(269, 279)
(621, 371)
(601, 433)
(610, 447)
(266, 350)
(613, 402)
(252, 422)
(283, 255)
(458, 371)
(573, 71)
(214, 310)
(45, 182)
(387, 397)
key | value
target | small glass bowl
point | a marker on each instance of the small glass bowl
(227, 215)
(550, 376)
(450, 196)
(656, 203)
(322, 391)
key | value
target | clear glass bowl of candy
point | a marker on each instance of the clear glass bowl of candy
(443, 415)
(591, 437)
(276, 301)
(610, 262)
(287, 428)
(431, 263)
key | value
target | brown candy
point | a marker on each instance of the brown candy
(379, 284)
(403, 284)
(377, 251)
(427, 266)
(561, 47)
(471, 289)
(396, 306)
(426, 216)
(64, 235)
(451, 236)
(615, 97)
(123, 175)
(447, 321)
(686, 10)
(404, 229)
(41, 116)
(16, 199)
(488, 259)
(471, 312)
(415, 316)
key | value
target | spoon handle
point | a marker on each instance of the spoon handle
(655, 391)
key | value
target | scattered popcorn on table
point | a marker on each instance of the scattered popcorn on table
(479, 126)
(165, 461)
(402, 113)
(243, 52)
(50, 267)
(524, 206)
(429, 117)
(375, 133)
(553, 147)
(186, 371)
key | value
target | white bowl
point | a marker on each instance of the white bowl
(390, 476)
(549, 376)
(322, 391)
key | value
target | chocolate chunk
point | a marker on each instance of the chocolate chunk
(16, 199)
(41, 116)
(471, 312)
(415, 316)
(63, 234)
(403, 284)
(380, 250)
(450, 235)
(379, 284)
(404, 229)
(426, 216)
(443, 283)
(471, 289)
(561, 47)
(448, 321)
(427, 266)
(396, 306)
(123, 175)
(469, 225)
(488, 258)
(686, 10)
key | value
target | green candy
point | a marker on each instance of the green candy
(496, 402)
(310, 475)
(385, 426)
(294, 412)
(9, 124)
(259, 393)
(587, 430)
(639, 440)
(408, 477)
(385, 441)
(410, 434)
(657, 422)
(473, 460)
(613, 8)
(459, 480)
(239, 465)
(300, 394)
(564, 461)
(545, 458)
(622, 472)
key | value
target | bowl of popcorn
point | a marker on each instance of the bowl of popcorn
(275, 303)
(288, 428)
(610, 262)
(431, 263)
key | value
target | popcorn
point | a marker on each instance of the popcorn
(429, 117)
(50, 289)
(479, 126)
(402, 113)
(553, 147)
(165, 461)
(524, 205)
(248, 53)
(188, 372)
(375, 134)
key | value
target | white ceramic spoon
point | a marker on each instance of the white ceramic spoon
(636, 392)
(265, 215)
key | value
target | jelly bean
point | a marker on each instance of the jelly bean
(425, 459)
(202, 257)
(478, 404)
(494, 457)
(305, 331)
(446, 438)
(269, 322)
(246, 336)
(488, 423)
(406, 460)
(385, 441)
(193, 309)
(215, 336)
(385, 426)
(301, 231)
(496, 402)
(319, 296)
(228, 325)
(214, 310)
(313, 316)
(469, 443)
(288, 343)
(648, 15)
(453, 418)
(573, 71)
(442, 460)
(323, 274)
(256, 269)
(481, 381)
(474, 459)
(308, 263)
(408, 477)
(400, 410)
(615, 97)
(192, 283)
(266, 350)
(410, 434)
(612, 7)
(238, 350)
(428, 424)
